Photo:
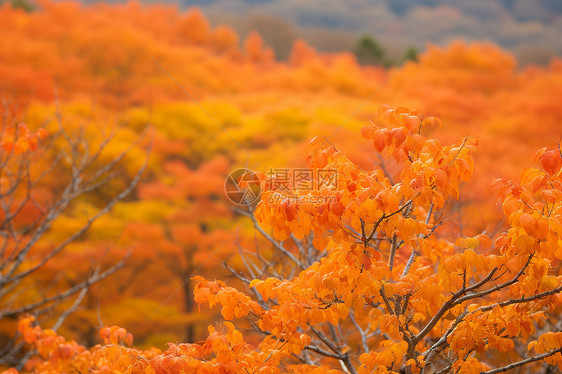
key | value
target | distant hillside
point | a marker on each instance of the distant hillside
(530, 29)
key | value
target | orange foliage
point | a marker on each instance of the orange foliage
(389, 294)
(18, 139)
(120, 56)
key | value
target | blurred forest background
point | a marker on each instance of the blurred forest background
(274, 74)
(529, 29)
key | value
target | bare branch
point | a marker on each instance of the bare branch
(414, 251)
(275, 243)
(72, 290)
(457, 299)
(362, 333)
(70, 310)
(523, 362)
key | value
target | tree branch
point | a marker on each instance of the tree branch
(523, 362)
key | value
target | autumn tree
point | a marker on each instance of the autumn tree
(368, 280)
(42, 177)
(190, 235)
(382, 281)
(363, 279)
